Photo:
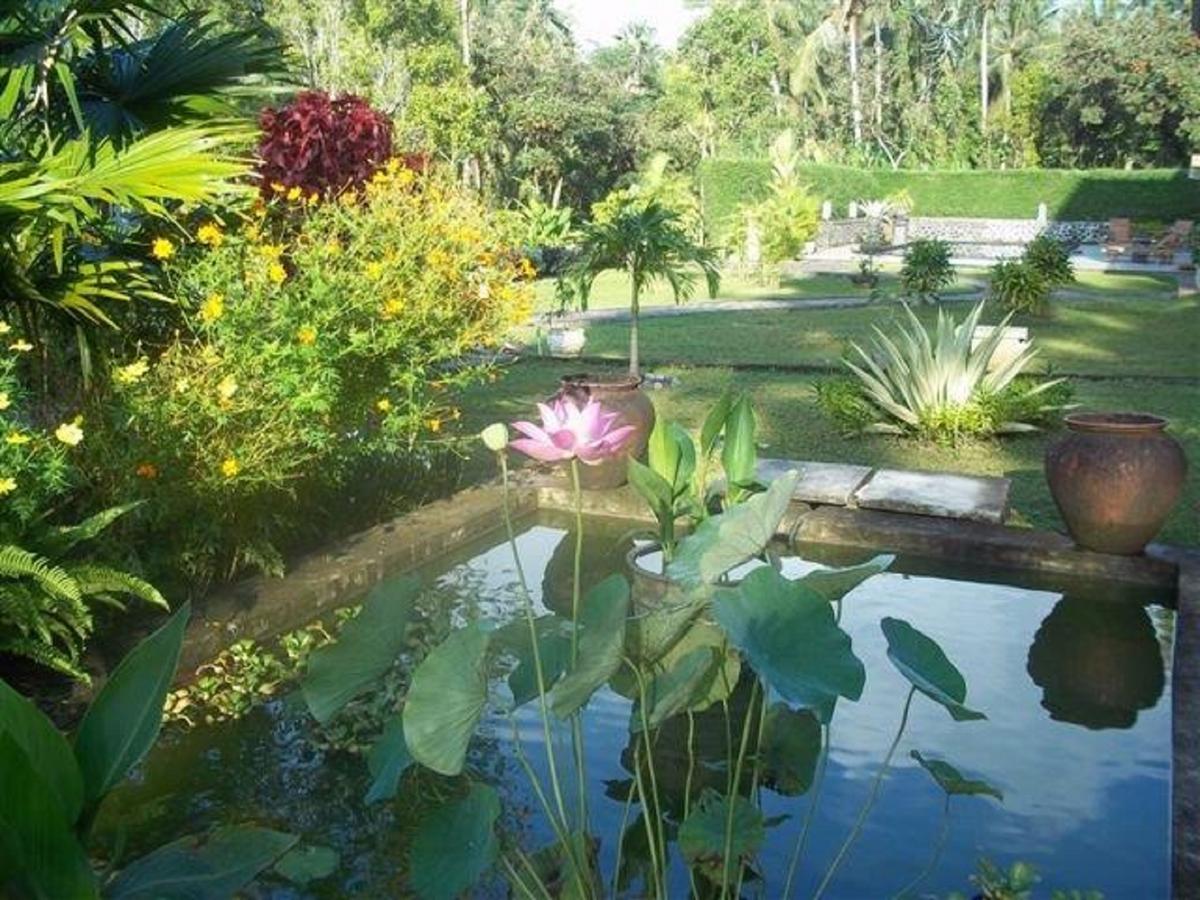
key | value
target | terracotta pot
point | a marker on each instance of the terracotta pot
(621, 395)
(1115, 478)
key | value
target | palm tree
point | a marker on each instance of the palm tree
(643, 56)
(649, 243)
(987, 7)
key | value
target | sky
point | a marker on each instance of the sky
(597, 21)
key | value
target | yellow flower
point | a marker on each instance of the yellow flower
(182, 385)
(5, 328)
(333, 247)
(210, 235)
(306, 335)
(7, 486)
(212, 308)
(277, 273)
(5, 403)
(162, 249)
(294, 194)
(69, 433)
(527, 268)
(383, 405)
(132, 373)
(277, 187)
(373, 270)
(435, 425)
(17, 439)
(230, 468)
(393, 307)
(272, 252)
(228, 387)
(21, 346)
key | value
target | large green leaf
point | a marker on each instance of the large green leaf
(455, 845)
(307, 863)
(123, 722)
(387, 761)
(446, 699)
(739, 455)
(702, 835)
(654, 489)
(952, 781)
(554, 650)
(676, 689)
(672, 455)
(833, 584)
(201, 867)
(45, 747)
(922, 662)
(790, 747)
(727, 540)
(788, 633)
(714, 422)
(601, 645)
(38, 850)
(366, 648)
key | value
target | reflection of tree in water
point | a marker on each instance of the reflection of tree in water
(1098, 663)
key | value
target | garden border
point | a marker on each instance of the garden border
(342, 573)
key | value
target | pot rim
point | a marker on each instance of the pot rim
(633, 561)
(1116, 422)
(609, 383)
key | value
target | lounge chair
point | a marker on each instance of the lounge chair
(1120, 238)
(1177, 238)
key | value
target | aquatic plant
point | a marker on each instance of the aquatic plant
(721, 645)
(53, 787)
(567, 432)
(677, 480)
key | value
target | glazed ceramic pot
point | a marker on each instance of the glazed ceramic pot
(622, 395)
(1115, 478)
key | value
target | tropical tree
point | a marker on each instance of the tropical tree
(649, 243)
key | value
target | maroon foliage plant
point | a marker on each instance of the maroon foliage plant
(322, 145)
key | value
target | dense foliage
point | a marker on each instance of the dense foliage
(926, 270)
(321, 145)
(327, 341)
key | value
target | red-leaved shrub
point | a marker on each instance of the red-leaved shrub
(322, 145)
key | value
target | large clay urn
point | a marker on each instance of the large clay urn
(1115, 477)
(622, 395)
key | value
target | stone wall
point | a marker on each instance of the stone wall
(840, 232)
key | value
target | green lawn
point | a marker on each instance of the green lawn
(611, 290)
(793, 426)
(1133, 338)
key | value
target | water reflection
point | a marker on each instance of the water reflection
(1098, 664)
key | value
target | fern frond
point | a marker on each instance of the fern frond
(94, 580)
(44, 655)
(18, 563)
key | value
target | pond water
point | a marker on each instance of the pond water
(1073, 678)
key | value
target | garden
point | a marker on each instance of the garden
(443, 459)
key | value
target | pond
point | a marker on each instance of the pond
(1072, 677)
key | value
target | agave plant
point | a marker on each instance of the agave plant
(916, 378)
(45, 592)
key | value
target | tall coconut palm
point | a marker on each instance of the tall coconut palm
(986, 8)
(643, 56)
(649, 243)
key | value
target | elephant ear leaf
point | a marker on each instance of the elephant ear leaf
(201, 867)
(366, 648)
(952, 781)
(790, 749)
(387, 762)
(465, 826)
(39, 855)
(45, 748)
(725, 541)
(124, 720)
(834, 584)
(920, 660)
(702, 835)
(446, 700)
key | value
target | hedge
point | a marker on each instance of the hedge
(1094, 194)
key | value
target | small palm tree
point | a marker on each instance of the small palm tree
(649, 242)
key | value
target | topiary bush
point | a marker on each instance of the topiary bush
(1050, 259)
(323, 345)
(321, 146)
(926, 271)
(1018, 286)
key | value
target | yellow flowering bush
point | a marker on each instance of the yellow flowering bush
(325, 343)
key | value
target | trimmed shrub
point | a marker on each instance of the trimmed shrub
(1018, 286)
(322, 146)
(325, 347)
(926, 271)
(1050, 259)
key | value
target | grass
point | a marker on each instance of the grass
(792, 426)
(1134, 338)
(1096, 194)
(611, 289)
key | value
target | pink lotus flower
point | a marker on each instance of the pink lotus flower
(568, 432)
